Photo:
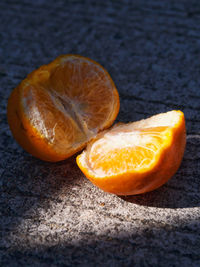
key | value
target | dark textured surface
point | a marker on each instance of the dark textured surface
(50, 214)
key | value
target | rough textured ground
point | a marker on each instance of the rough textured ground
(50, 214)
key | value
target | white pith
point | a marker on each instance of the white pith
(38, 119)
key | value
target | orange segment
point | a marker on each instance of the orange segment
(137, 157)
(89, 87)
(119, 151)
(58, 108)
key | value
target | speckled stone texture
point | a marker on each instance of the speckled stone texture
(50, 214)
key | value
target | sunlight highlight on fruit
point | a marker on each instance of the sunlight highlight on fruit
(59, 107)
(137, 157)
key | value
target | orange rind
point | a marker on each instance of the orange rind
(137, 157)
(61, 106)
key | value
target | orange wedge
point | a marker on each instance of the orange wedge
(59, 107)
(137, 157)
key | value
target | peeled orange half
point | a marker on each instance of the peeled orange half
(59, 107)
(137, 157)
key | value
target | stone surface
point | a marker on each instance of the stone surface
(50, 215)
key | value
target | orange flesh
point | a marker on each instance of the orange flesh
(61, 106)
(121, 151)
(137, 157)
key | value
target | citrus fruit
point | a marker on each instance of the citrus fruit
(59, 107)
(137, 157)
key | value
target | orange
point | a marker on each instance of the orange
(137, 157)
(59, 107)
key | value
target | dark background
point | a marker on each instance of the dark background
(50, 215)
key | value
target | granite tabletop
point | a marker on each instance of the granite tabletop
(50, 214)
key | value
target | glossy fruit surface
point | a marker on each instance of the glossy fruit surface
(137, 157)
(59, 107)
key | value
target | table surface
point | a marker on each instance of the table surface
(51, 215)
